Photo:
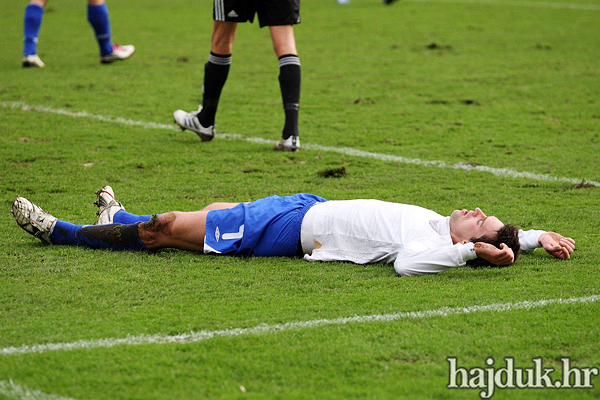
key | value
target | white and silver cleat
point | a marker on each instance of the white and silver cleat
(119, 53)
(32, 60)
(33, 219)
(107, 205)
(290, 144)
(190, 120)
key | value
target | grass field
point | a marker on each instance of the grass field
(444, 104)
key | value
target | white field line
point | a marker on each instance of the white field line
(264, 329)
(84, 114)
(503, 172)
(13, 391)
(541, 4)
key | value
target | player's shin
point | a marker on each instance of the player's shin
(113, 236)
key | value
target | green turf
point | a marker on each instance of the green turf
(503, 85)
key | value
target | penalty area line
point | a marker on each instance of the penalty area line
(501, 172)
(13, 391)
(264, 329)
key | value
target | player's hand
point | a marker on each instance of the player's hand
(497, 256)
(557, 245)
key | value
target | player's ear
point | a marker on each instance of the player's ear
(464, 241)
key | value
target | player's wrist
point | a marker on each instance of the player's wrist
(541, 238)
(480, 249)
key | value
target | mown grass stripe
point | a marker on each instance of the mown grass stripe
(264, 329)
(502, 172)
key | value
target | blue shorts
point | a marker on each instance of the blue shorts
(265, 227)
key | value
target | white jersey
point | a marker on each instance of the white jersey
(416, 240)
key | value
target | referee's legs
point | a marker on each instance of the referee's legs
(216, 69)
(284, 45)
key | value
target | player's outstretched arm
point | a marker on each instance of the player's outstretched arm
(557, 245)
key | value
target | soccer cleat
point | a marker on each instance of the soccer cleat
(119, 53)
(33, 219)
(32, 61)
(191, 121)
(388, 1)
(107, 205)
(290, 144)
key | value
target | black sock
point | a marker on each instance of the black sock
(289, 82)
(113, 236)
(215, 76)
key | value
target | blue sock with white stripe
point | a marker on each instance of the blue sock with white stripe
(289, 83)
(113, 236)
(100, 21)
(32, 24)
(124, 217)
(216, 71)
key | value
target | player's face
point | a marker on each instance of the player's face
(467, 224)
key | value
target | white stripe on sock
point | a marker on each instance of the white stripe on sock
(289, 60)
(219, 60)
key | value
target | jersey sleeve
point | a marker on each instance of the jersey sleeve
(529, 240)
(418, 259)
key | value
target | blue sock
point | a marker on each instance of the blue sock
(98, 18)
(32, 24)
(113, 236)
(124, 217)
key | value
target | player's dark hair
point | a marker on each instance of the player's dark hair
(508, 234)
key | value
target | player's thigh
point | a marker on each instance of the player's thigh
(41, 3)
(219, 206)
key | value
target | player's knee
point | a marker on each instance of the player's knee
(159, 226)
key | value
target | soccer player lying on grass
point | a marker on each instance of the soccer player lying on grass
(416, 240)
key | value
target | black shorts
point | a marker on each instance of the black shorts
(270, 12)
